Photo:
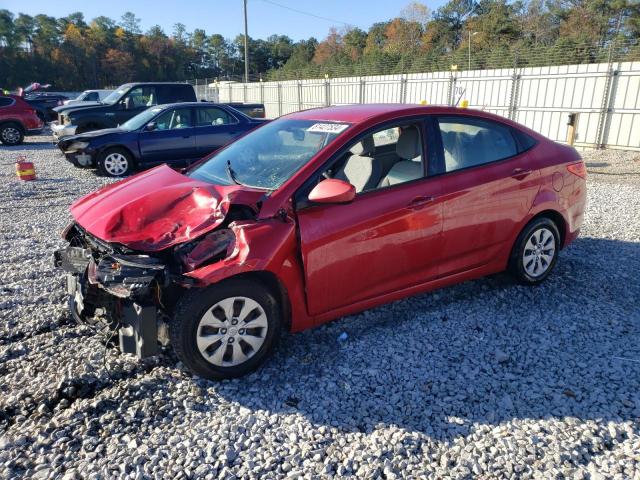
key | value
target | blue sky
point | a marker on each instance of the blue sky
(225, 16)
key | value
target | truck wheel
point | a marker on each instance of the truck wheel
(115, 162)
(11, 134)
(536, 251)
(226, 330)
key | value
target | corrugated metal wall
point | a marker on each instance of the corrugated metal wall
(606, 97)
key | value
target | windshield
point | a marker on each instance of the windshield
(114, 96)
(141, 119)
(270, 155)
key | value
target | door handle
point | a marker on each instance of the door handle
(186, 136)
(520, 173)
(420, 202)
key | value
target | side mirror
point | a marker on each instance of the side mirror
(333, 190)
(150, 127)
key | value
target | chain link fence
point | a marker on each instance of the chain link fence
(598, 85)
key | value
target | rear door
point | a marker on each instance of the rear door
(172, 140)
(487, 186)
(214, 128)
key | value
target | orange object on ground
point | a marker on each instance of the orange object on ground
(25, 170)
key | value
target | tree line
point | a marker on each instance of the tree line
(72, 53)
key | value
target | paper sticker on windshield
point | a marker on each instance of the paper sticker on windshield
(328, 127)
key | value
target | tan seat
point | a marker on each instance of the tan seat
(410, 168)
(361, 169)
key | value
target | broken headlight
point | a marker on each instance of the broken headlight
(124, 275)
(210, 248)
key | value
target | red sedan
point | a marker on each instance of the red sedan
(317, 215)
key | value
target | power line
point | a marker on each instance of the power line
(332, 20)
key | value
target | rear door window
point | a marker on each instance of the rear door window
(212, 116)
(469, 142)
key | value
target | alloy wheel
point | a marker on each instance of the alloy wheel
(539, 252)
(232, 331)
(116, 164)
(10, 135)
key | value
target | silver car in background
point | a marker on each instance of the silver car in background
(89, 96)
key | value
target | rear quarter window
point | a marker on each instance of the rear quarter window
(526, 142)
(6, 102)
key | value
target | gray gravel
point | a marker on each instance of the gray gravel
(485, 379)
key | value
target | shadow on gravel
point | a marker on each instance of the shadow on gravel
(480, 353)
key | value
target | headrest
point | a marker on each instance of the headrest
(408, 146)
(364, 147)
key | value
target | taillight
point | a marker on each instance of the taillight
(578, 169)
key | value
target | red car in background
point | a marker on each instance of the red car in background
(17, 119)
(317, 215)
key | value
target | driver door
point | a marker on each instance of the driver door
(172, 140)
(137, 100)
(387, 239)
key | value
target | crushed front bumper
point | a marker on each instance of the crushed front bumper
(135, 317)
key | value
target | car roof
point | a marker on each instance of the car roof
(191, 104)
(360, 112)
(135, 84)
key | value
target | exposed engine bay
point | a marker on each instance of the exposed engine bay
(131, 292)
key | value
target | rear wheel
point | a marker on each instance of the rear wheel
(115, 162)
(536, 251)
(226, 330)
(11, 134)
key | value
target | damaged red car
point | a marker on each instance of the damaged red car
(314, 216)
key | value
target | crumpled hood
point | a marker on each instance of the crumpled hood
(158, 208)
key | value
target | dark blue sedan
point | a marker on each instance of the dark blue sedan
(177, 134)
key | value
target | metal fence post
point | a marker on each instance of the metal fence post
(608, 99)
(261, 92)
(362, 90)
(244, 93)
(299, 86)
(515, 89)
(452, 89)
(327, 91)
(403, 88)
(279, 99)
(230, 94)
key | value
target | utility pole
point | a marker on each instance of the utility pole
(470, 35)
(246, 45)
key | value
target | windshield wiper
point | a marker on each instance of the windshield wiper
(232, 174)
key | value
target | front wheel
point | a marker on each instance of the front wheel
(226, 330)
(115, 162)
(536, 251)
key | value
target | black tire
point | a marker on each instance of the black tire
(191, 308)
(520, 268)
(106, 159)
(11, 134)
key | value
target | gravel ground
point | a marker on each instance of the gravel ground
(485, 379)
